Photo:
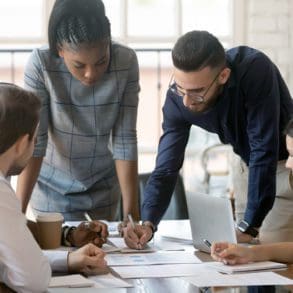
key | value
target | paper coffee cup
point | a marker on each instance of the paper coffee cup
(49, 226)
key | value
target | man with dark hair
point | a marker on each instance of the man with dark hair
(24, 267)
(241, 96)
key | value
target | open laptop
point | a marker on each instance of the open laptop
(211, 218)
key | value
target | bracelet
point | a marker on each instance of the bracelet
(66, 232)
(151, 225)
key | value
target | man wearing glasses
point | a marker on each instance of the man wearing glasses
(241, 96)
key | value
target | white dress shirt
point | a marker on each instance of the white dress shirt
(23, 265)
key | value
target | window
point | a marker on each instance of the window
(151, 27)
(160, 22)
(27, 13)
(24, 22)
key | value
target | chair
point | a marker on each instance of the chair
(177, 209)
(215, 161)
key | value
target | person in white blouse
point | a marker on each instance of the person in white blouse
(23, 265)
(230, 253)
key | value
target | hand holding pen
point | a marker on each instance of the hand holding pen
(95, 232)
(136, 236)
(231, 253)
(216, 250)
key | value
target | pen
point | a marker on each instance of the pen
(89, 219)
(87, 216)
(207, 243)
(133, 227)
(131, 221)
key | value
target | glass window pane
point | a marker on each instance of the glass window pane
(214, 16)
(155, 73)
(151, 18)
(20, 18)
(113, 9)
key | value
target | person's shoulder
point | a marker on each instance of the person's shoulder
(244, 55)
(122, 54)
(43, 56)
(41, 52)
(8, 199)
(121, 49)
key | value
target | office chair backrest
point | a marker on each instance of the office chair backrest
(177, 209)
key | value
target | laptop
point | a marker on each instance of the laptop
(211, 218)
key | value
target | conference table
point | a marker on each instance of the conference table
(175, 230)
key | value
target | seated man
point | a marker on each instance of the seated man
(24, 267)
(282, 251)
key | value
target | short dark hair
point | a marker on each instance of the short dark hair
(289, 128)
(19, 114)
(196, 50)
(77, 21)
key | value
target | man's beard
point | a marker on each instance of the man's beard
(208, 105)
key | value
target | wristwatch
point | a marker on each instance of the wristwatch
(244, 227)
(149, 224)
(152, 226)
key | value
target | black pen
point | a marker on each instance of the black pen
(207, 243)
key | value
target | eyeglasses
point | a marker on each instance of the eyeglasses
(194, 96)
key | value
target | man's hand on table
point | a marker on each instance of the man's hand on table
(138, 237)
(88, 259)
(95, 232)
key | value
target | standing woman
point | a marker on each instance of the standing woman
(86, 152)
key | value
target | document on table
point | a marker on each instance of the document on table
(244, 279)
(119, 243)
(155, 258)
(255, 266)
(161, 271)
(178, 231)
(71, 281)
(109, 281)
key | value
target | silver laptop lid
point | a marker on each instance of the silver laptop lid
(211, 218)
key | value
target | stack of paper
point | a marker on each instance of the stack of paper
(156, 258)
(215, 279)
(161, 271)
(71, 281)
(255, 266)
(118, 244)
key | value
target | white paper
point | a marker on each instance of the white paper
(71, 281)
(255, 266)
(176, 230)
(119, 243)
(160, 271)
(109, 281)
(155, 258)
(247, 279)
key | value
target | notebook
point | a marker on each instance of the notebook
(255, 266)
(211, 218)
(71, 281)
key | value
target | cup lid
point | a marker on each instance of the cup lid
(49, 217)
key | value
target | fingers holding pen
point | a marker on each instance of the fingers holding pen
(131, 237)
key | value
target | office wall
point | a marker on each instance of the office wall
(269, 27)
